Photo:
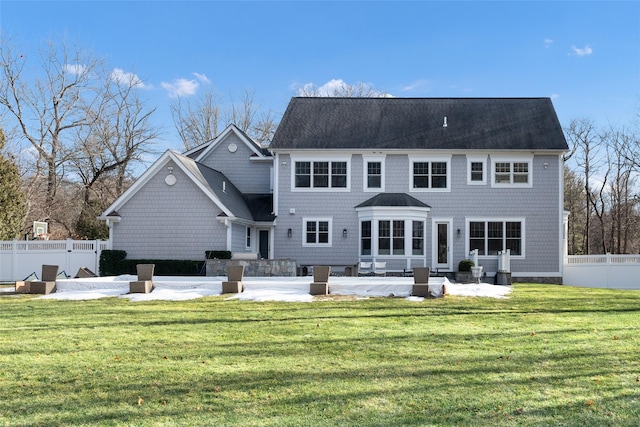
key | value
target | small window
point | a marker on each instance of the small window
(417, 242)
(338, 174)
(507, 173)
(438, 175)
(365, 231)
(320, 174)
(398, 237)
(374, 174)
(430, 175)
(421, 175)
(317, 232)
(384, 237)
(477, 171)
(303, 174)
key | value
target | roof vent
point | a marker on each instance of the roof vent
(444, 123)
(224, 186)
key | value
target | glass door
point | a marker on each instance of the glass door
(442, 246)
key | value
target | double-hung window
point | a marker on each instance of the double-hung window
(515, 172)
(430, 174)
(373, 176)
(317, 232)
(493, 236)
(476, 170)
(322, 175)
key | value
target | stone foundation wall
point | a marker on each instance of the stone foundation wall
(253, 268)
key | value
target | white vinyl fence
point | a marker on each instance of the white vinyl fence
(602, 271)
(20, 258)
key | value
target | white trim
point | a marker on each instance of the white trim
(217, 141)
(366, 159)
(503, 219)
(179, 161)
(305, 220)
(434, 243)
(316, 159)
(477, 159)
(511, 160)
(430, 160)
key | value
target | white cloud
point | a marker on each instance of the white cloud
(555, 96)
(548, 42)
(121, 77)
(582, 52)
(180, 87)
(418, 84)
(338, 87)
(75, 69)
(202, 78)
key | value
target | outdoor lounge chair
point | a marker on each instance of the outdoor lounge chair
(420, 281)
(233, 285)
(364, 268)
(144, 284)
(48, 282)
(380, 268)
(320, 285)
(84, 272)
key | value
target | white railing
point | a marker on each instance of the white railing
(20, 258)
(602, 271)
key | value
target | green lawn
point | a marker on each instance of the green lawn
(548, 355)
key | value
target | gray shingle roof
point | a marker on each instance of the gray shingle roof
(417, 123)
(393, 199)
(257, 207)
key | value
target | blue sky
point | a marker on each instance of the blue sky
(584, 55)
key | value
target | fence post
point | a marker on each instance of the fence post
(98, 251)
(608, 270)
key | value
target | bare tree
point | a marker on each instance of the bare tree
(201, 120)
(582, 136)
(339, 88)
(119, 133)
(47, 106)
(196, 122)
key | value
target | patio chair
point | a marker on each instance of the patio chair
(24, 286)
(144, 284)
(320, 285)
(364, 268)
(380, 268)
(48, 283)
(420, 281)
(84, 272)
(233, 285)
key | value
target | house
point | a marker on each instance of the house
(184, 204)
(408, 181)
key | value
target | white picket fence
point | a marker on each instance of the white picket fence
(602, 271)
(20, 258)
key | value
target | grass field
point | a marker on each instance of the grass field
(548, 355)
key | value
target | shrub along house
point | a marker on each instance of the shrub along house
(408, 181)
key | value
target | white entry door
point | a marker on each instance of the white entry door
(442, 245)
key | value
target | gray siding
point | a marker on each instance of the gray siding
(250, 177)
(238, 238)
(169, 222)
(539, 206)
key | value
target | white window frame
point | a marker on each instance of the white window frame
(247, 236)
(430, 160)
(523, 232)
(477, 159)
(391, 214)
(317, 159)
(365, 173)
(511, 160)
(317, 220)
